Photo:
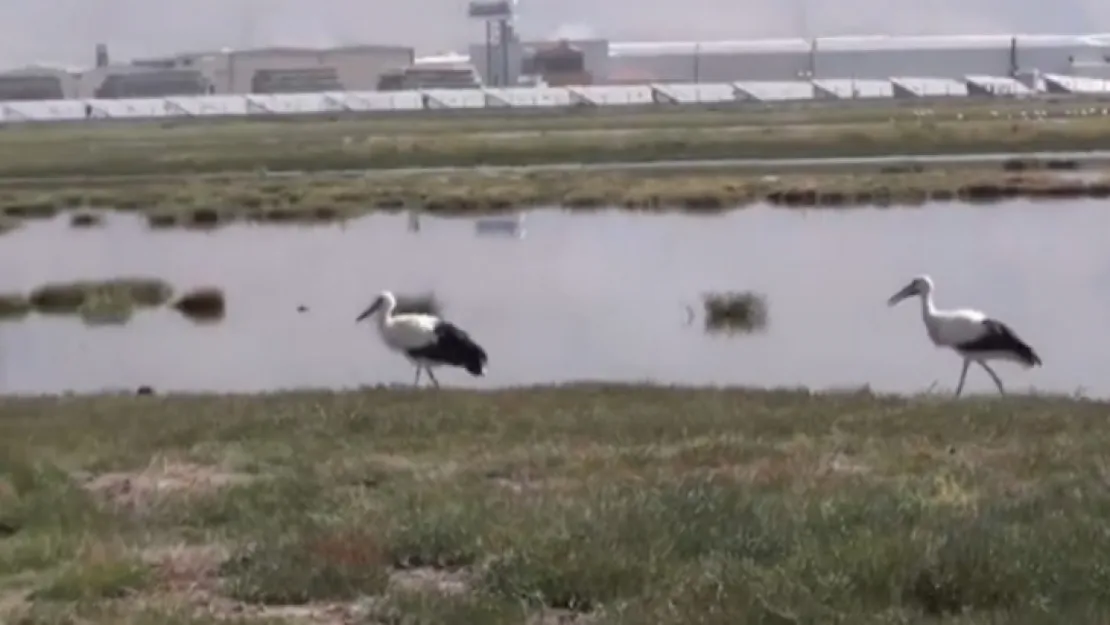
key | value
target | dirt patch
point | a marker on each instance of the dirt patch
(553, 616)
(12, 602)
(189, 576)
(134, 489)
(187, 569)
(325, 614)
(429, 579)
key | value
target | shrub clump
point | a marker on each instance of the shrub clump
(202, 304)
(735, 311)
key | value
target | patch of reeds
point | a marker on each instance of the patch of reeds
(299, 201)
(31, 210)
(204, 304)
(86, 220)
(7, 224)
(205, 218)
(93, 298)
(163, 219)
(735, 312)
(106, 312)
(14, 306)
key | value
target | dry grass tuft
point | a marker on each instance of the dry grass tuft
(14, 306)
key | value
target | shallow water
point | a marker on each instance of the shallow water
(589, 296)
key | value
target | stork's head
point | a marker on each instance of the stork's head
(921, 285)
(383, 302)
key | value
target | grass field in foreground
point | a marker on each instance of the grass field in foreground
(73, 150)
(580, 504)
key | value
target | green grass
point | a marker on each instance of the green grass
(622, 504)
(125, 150)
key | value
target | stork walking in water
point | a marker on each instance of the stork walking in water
(427, 341)
(973, 335)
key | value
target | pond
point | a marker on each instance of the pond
(598, 296)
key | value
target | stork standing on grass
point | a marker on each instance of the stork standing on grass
(427, 341)
(973, 335)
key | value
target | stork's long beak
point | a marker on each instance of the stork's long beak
(907, 291)
(369, 311)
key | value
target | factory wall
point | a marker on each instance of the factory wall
(37, 84)
(882, 64)
(595, 53)
(359, 68)
(834, 59)
(711, 67)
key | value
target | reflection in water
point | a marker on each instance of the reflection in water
(599, 297)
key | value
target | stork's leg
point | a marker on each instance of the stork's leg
(994, 376)
(433, 377)
(963, 377)
(416, 382)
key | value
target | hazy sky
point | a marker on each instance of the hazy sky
(66, 31)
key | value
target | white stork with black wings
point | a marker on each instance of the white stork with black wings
(427, 341)
(973, 335)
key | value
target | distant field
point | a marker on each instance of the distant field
(172, 148)
(583, 504)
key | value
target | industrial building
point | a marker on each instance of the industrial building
(850, 58)
(502, 60)
(38, 83)
(868, 58)
(290, 70)
(268, 70)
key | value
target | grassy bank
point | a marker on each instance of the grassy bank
(588, 504)
(121, 150)
(436, 122)
(212, 202)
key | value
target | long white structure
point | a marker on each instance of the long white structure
(444, 100)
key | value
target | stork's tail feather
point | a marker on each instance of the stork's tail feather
(1030, 357)
(1013, 343)
(463, 350)
(1024, 352)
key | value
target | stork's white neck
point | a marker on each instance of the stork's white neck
(385, 313)
(928, 309)
(929, 315)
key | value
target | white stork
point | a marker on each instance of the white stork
(427, 341)
(973, 335)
